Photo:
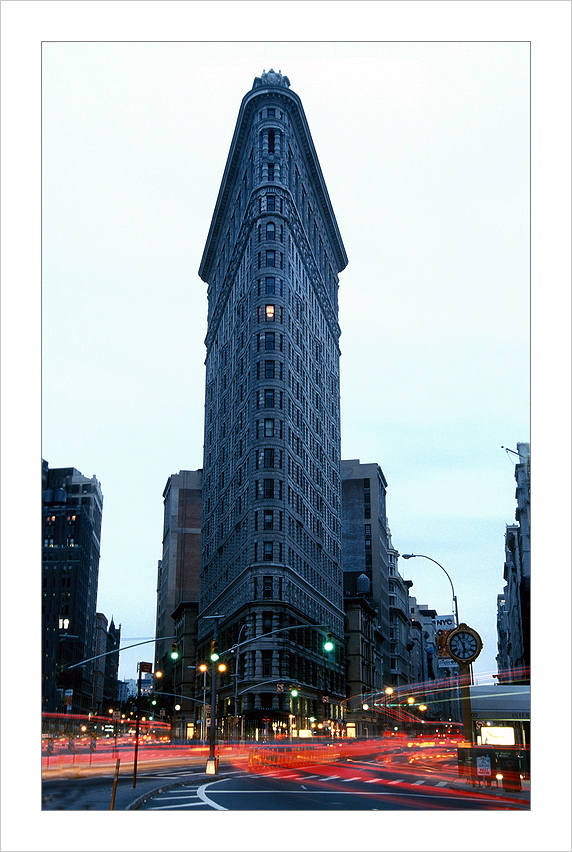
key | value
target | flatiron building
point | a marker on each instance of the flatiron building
(271, 530)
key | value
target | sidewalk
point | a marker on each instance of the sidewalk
(523, 794)
(94, 793)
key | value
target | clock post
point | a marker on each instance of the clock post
(464, 646)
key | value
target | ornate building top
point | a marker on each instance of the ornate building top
(271, 78)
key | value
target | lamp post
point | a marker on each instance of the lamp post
(422, 556)
(235, 675)
(388, 691)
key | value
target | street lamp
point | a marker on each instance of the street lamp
(422, 556)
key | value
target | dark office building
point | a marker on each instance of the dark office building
(366, 562)
(271, 536)
(71, 527)
(178, 596)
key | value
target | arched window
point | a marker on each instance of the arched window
(270, 231)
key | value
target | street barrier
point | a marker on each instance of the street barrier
(269, 758)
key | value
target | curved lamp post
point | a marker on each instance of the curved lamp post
(422, 556)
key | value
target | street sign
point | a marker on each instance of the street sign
(145, 667)
(483, 762)
(325, 699)
(279, 687)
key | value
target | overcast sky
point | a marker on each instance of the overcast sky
(425, 152)
(423, 141)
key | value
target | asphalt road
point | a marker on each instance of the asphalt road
(338, 786)
(346, 784)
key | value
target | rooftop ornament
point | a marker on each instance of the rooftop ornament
(271, 78)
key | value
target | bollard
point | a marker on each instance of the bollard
(112, 805)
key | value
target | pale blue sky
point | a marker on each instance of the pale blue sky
(425, 152)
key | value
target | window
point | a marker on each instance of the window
(268, 551)
(268, 428)
(269, 398)
(270, 312)
(270, 203)
(269, 369)
(270, 257)
(270, 231)
(270, 141)
(270, 171)
(268, 488)
(269, 340)
(268, 457)
(268, 519)
(269, 285)
(267, 587)
(271, 112)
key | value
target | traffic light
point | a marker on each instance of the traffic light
(174, 651)
(293, 691)
(214, 654)
(329, 643)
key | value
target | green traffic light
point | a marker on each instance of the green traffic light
(175, 651)
(329, 644)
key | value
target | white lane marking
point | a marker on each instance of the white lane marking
(442, 783)
(417, 783)
(172, 807)
(373, 781)
(203, 796)
(397, 781)
(331, 777)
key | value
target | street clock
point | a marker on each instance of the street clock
(464, 644)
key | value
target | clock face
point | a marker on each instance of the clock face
(464, 645)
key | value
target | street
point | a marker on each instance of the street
(398, 780)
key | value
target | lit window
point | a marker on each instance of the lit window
(270, 312)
